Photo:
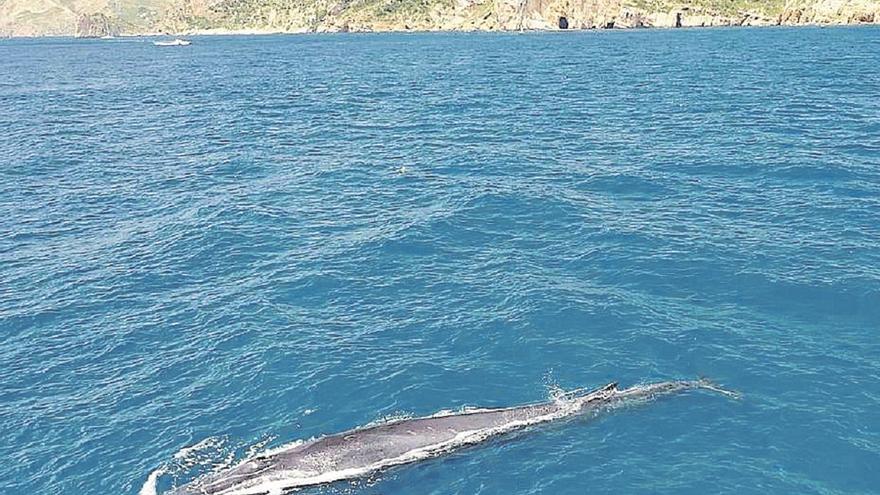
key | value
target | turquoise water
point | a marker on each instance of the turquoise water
(254, 240)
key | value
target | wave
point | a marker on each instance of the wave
(152, 483)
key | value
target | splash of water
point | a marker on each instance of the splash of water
(151, 485)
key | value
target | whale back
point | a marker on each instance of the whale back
(357, 452)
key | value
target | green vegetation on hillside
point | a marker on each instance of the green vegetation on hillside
(721, 7)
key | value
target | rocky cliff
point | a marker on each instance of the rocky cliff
(96, 26)
(101, 17)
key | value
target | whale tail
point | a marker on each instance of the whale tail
(651, 391)
(707, 384)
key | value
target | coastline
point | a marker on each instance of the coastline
(196, 18)
(263, 32)
(223, 32)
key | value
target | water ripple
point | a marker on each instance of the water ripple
(264, 239)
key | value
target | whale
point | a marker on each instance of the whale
(366, 450)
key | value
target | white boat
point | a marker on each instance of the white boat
(175, 42)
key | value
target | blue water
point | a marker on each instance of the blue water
(254, 240)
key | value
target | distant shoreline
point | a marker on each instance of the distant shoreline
(268, 32)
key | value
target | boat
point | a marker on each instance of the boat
(174, 42)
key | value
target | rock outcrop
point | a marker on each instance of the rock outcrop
(829, 12)
(95, 26)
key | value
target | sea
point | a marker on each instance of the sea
(208, 251)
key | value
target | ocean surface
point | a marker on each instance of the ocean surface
(211, 250)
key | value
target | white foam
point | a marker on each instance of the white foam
(205, 453)
(185, 458)
(256, 448)
(208, 443)
(150, 485)
(280, 448)
(389, 419)
(463, 410)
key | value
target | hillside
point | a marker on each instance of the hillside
(102, 17)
